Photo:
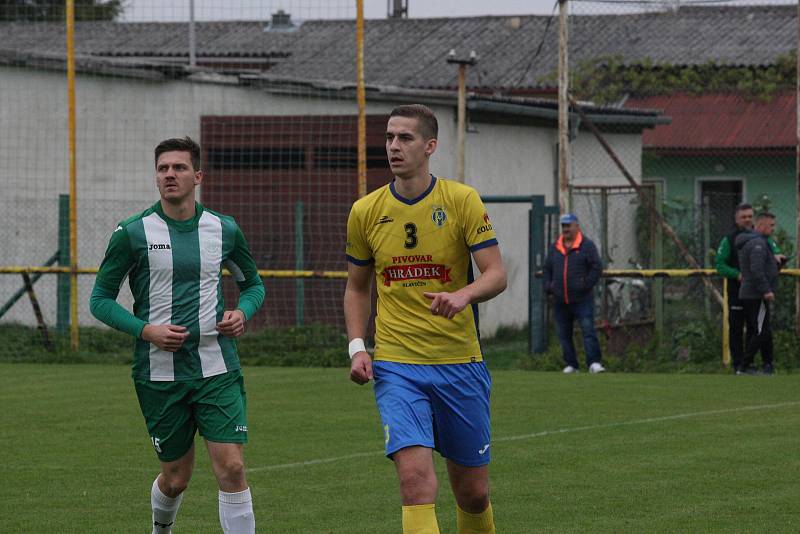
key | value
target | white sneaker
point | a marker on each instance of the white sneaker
(596, 367)
(569, 369)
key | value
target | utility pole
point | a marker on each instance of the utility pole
(192, 38)
(462, 106)
(563, 109)
(361, 99)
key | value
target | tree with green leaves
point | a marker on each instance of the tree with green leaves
(55, 10)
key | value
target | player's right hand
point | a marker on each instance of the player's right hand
(168, 337)
(361, 368)
(769, 297)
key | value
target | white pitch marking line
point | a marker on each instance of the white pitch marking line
(313, 462)
(543, 433)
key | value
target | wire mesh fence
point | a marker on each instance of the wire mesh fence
(696, 100)
(722, 76)
(277, 155)
(641, 309)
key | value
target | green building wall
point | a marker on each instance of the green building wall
(769, 179)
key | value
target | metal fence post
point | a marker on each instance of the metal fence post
(658, 263)
(62, 292)
(537, 333)
(299, 283)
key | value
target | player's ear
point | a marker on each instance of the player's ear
(430, 147)
(198, 177)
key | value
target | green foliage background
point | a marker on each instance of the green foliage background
(607, 79)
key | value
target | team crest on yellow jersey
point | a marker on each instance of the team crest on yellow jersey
(439, 216)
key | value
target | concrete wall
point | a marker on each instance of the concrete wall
(121, 120)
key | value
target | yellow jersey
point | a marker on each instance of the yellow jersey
(417, 246)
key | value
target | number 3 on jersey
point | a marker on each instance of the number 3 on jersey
(411, 235)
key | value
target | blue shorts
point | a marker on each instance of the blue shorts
(443, 407)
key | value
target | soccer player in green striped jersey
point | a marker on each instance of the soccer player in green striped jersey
(185, 370)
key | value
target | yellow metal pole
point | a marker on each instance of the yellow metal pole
(726, 347)
(73, 211)
(362, 101)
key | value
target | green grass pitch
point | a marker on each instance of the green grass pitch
(607, 453)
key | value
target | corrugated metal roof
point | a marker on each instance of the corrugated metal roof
(412, 52)
(721, 122)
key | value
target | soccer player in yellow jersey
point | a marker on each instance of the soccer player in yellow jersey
(431, 385)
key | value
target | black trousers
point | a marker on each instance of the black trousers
(736, 331)
(757, 315)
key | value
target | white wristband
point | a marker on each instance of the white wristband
(356, 346)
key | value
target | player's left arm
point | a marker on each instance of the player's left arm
(481, 240)
(251, 288)
(491, 282)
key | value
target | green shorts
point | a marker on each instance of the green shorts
(173, 411)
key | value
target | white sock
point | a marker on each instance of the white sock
(164, 509)
(236, 512)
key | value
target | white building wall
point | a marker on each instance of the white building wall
(510, 160)
(592, 166)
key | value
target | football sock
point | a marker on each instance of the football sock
(164, 509)
(420, 519)
(482, 523)
(236, 512)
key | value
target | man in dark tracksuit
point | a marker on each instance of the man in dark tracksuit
(759, 281)
(571, 270)
(727, 263)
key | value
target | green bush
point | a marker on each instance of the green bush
(317, 346)
(20, 343)
(296, 346)
(693, 347)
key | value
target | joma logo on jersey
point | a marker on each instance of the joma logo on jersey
(241, 428)
(420, 271)
(159, 246)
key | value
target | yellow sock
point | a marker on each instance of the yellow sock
(482, 523)
(420, 519)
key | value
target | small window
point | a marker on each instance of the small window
(334, 158)
(257, 158)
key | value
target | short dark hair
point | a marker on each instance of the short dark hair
(764, 215)
(187, 144)
(428, 125)
(743, 206)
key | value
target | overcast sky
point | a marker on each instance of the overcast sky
(178, 10)
(148, 10)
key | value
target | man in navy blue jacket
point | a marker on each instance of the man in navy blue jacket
(571, 270)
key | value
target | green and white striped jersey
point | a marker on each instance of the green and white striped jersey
(175, 275)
